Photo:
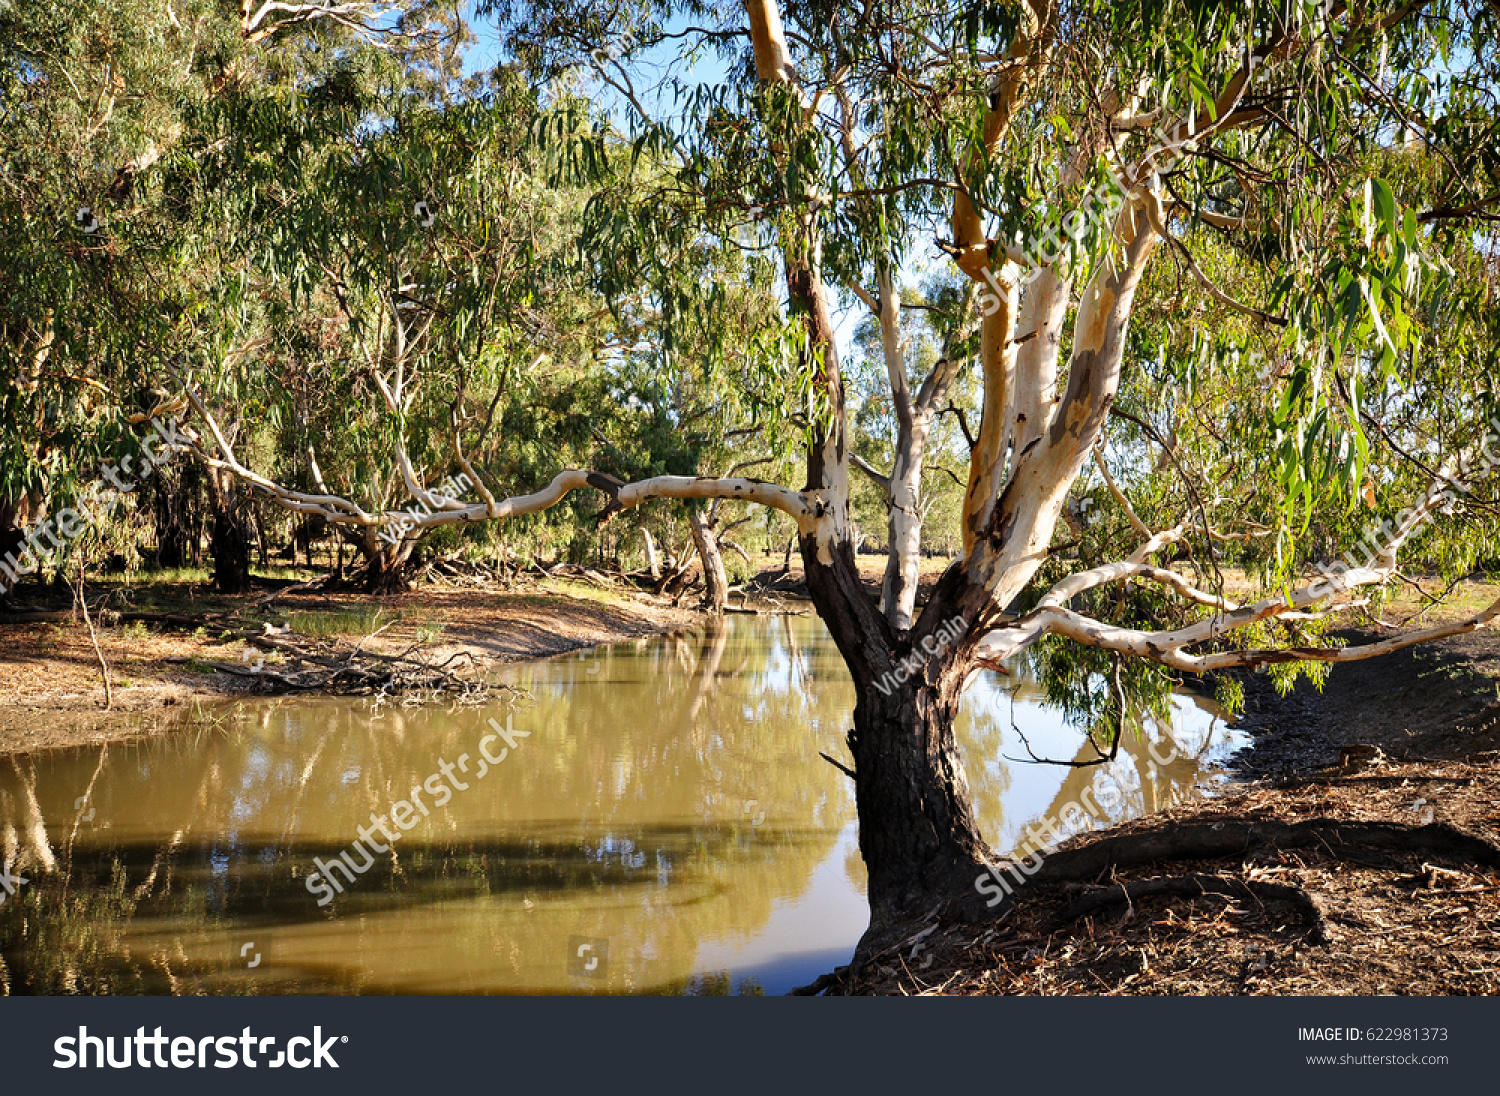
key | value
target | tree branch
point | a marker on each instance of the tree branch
(1167, 647)
(1109, 481)
(881, 480)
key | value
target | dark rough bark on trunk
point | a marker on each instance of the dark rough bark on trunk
(918, 836)
(384, 575)
(917, 832)
(386, 564)
(230, 540)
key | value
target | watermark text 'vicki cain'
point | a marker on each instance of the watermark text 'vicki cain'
(930, 646)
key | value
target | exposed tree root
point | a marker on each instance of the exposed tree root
(1377, 780)
(1226, 838)
(1193, 886)
(1236, 836)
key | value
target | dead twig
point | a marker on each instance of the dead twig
(109, 694)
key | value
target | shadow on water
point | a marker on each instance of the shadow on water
(655, 820)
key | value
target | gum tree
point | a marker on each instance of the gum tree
(98, 271)
(396, 292)
(1067, 158)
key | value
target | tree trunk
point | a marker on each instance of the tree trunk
(230, 540)
(916, 824)
(176, 504)
(653, 561)
(385, 563)
(898, 594)
(385, 574)
(262, 549)
(918, 835)
(917, 831)
(12, 538)
(715, 582)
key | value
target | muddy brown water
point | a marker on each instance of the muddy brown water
(655, 818)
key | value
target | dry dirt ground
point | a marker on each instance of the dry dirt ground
(52, 693)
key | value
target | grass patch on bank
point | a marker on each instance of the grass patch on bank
(347, 622)
(587, 591)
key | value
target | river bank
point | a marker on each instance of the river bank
(52, 688)
(52, 685)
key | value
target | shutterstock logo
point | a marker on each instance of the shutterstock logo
(185, 1052)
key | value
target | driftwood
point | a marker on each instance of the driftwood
(333, 670)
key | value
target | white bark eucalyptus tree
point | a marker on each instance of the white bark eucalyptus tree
(1054, 151)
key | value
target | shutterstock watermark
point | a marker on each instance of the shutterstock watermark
(931, 646)
(406, 815)
(1046, 833)
(588, 957)
(85, 1051)
(109, 487)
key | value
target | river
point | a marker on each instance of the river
(653, 818)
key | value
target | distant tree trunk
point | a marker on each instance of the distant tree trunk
(261, 548)
(716, 583)
(13, 516)
(653, 561)
(304, 533)
(385, 563)
(176, 502)
(232, 535)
